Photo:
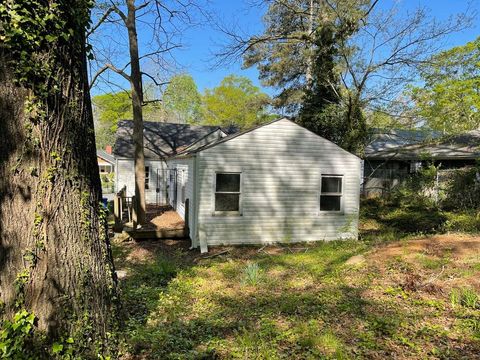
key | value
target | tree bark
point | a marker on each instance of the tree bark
(55, 257)
(137, 99)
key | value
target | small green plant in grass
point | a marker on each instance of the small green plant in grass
(252, 274)
(469, 298)
(455, 297)
(331, 345)
(472, 324)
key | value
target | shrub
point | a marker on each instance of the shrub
(467, 222)
(461, 189)
(417, 189)
(415, 219)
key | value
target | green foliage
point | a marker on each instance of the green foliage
(112, 107)
(236, 101)
(290, 45)
(462, 221)
(109, 108)
(469, 298)
(327, 109)
(342, 125)
(416, 189)
(16, 335)
(64, 350)
(461, 190)
(27, 29)
(108, 182)
(449, 101)
(182, 101)
(415, 220)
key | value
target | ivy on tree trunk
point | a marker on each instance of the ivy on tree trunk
(55, 257)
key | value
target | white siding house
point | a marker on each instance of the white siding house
(161, 140)
(276, 183)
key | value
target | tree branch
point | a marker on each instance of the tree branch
(104, 17)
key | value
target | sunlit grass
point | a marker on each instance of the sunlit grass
(301, 302)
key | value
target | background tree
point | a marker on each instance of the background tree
(55, 259)
(162, 20)
(109, 108)
(182, 101)
(329, 109)
(374, 63)
(236, 101)
(449, 100)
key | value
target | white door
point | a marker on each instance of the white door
(181, 195)
(171, 183)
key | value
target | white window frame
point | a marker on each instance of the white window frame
(240, 197)
(147, 178)
(341, 194)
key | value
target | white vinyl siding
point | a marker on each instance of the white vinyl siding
(185, 174)
(281, 165)
(125, 176)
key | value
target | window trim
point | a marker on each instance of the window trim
(341, 194)
(240, 193)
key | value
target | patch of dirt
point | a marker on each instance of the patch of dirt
(168, 220)
(403, 263)
(147, 250)
(455, 245)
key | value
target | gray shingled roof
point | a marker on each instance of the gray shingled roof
(161, 139)
(462, 146)
(384, 140)
(106, 156)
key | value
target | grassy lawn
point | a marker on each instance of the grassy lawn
(401, 296)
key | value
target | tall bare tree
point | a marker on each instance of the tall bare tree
(163, 21)
(55, 258)
(374, 64)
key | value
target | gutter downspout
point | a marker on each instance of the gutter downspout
(200, 236)
(194, 205)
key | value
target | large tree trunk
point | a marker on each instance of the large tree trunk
(55, 258)
(137, 99)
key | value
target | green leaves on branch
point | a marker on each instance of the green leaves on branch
(182, 101)
(449, 100)
(236, 101)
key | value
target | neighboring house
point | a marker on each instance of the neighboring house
(106, 161)
(161, 140)
(277, 182)
(394, 155)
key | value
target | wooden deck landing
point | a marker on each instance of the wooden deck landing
(162, 223)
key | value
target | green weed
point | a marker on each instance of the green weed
(252, 274)
(469, 298)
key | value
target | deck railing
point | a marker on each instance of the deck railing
(123, 209)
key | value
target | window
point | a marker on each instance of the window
(331, 193)
(147, 177)
(227, 192)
